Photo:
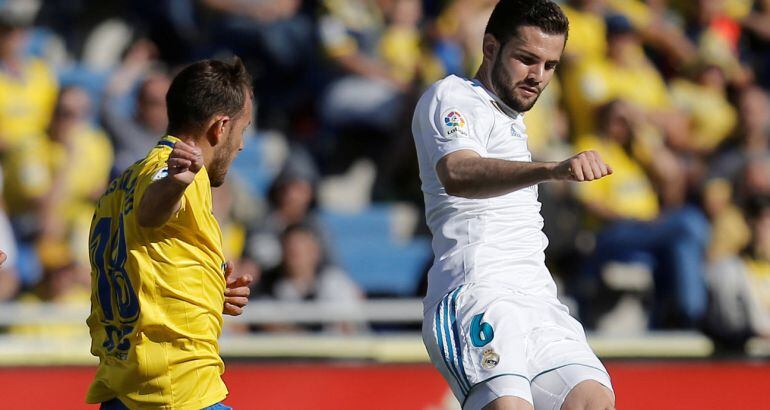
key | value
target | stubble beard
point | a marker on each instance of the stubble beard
(220, 164)
(506, 89)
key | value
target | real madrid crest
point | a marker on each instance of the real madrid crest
(489, 359)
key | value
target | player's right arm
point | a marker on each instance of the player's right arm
(467, 174)
(163, 197)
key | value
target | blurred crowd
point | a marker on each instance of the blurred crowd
(672, 93)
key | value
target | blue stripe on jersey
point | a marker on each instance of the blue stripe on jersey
(441, 335)
(451, 344)
(453, 322)
(166, 143)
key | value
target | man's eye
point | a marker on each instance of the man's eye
(527, 60)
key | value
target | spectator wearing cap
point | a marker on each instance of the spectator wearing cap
(653, 22)
(623, 73)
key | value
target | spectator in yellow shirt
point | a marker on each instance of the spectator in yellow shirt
(624, 73)
(712, 117)
(53, 182)
(587, 32)
(671, 241)
(28, 87)
(79, 166)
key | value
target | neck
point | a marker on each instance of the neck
(484, 76)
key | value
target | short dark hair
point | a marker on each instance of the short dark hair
(509, 15)
(204, 89)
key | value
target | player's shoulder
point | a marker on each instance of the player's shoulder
(456, 90)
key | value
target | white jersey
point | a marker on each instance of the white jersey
(497, 240)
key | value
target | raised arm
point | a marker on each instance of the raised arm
(466, 174)
(163, 197)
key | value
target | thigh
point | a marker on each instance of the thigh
(557, 340)
(476, 335)
(507, 392)
(551, 388)
(508, 403)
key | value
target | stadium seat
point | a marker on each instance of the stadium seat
(370, 250)
(252, 168)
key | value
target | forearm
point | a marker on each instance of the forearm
(488, 177)
(161, 200)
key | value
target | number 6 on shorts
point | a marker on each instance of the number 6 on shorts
(481, 332)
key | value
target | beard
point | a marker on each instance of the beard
(506, 90)
(220, 163)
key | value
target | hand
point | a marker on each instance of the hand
(586, 166)
(237, 291)
(184, 162)
(3, 257)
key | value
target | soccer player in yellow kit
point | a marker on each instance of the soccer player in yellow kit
(160, 282)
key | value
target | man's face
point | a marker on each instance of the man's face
(151, 105)
(231, 144)
(525, 65)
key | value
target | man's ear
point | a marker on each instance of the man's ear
(217, 129)
(490, 47)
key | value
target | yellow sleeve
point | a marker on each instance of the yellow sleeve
(638, 13)
(154, 169)
(595, 190)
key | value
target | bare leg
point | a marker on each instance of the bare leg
(589, 395)
(508, 403)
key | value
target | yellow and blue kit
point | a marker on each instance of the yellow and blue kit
(157, 295)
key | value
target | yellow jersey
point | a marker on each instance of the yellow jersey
(27, 101)
(157, 295)
(628, 192)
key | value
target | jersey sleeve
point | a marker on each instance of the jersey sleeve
(457, 122)
(151, 172)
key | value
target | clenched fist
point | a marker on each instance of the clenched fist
(184, 162)
(585, 166)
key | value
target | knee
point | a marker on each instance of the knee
(589, 395)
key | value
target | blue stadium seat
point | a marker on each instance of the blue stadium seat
(367, 250)
(251, 168)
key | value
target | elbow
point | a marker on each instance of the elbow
(454, 188)
(145, 220)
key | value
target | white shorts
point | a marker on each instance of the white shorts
(490, 342)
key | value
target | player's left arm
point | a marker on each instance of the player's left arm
(163, 198)
(237, 291)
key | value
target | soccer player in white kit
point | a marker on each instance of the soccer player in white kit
(493, 325)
